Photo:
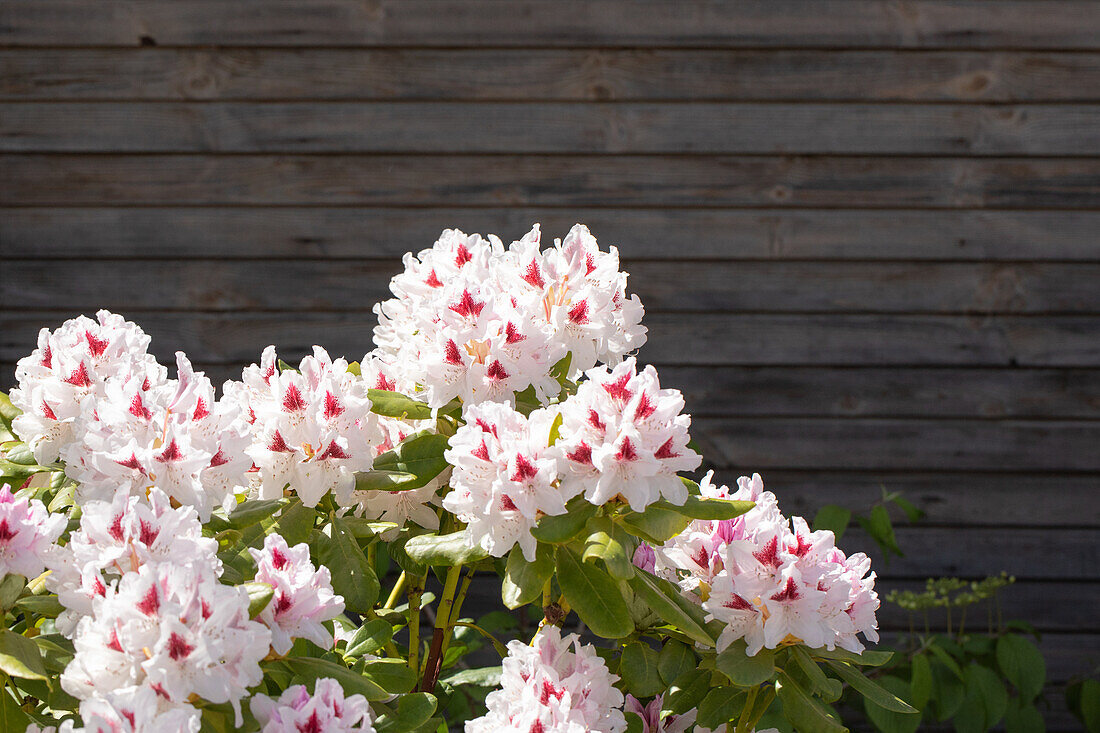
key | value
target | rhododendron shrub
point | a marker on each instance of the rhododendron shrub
(292, 552)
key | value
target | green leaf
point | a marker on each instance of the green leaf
(420, 454)
(824, 687)
(687, 691)
(12, 718)
(675, 658)
(882, 530)
(259, 595)
(382, 481)
(311, 669)
(63, 499)
(1022, 665)
(555, 429)
(394, 404)
(991, 691)
(413, 710)
(920, 683)
(802, 710)
(948, 692)
(833, 518)
(721, 705)
(638, 669)
(698, 507)
(352, 575)
(44, 605)
(523, 581)
(295, 523)
(446, 550)
(743, 670)
(665, 599)
(1022, 717)
(594, 595)
(609, 544)
(369, 638)
(253, 511)
(911, 511)
(1090, 705)
(19, 656)
(480, 677)
(946, 659)
(656, 524)
(871, 691)
(564, 527)
(970, 717)
(866, 659)
(392, 674)
(8, 412)
(634, 724)
(889, 721)
(11, 586)
(284, 367)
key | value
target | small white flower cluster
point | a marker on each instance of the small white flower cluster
(474, 320)
(555, 684)
(325, 711)
(312, 429)
(771, 580)
(75, 361)
(505, 476)
(303, 595)
(27, 534)
(174, 629)
(622, 437)
(118, 537)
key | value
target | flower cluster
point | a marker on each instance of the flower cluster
(27, 532)
(624, 436)
(130, 710)
(553, 684)
(75, 361)
(653, 722)
(303, 595)
(171, 628)
(504, 477)
(473, 320)
(312, 428)
(325, 711)
(118, 537)
(771, 580)
(172, 434)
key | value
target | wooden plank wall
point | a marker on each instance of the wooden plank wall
(866, 231)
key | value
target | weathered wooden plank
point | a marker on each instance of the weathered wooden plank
(591, 74)
(978, 499)
(660, 234)
(762, 444)
(663, 286)
(674, 339)
(977, 552)
(1057, 24)
(492, 127)
(555, 180)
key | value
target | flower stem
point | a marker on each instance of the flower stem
(396, 592)
(415, 589)
(746, 711)
(442, 620)
(449, 631)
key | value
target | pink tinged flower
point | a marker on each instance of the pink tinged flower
(27, 533)
(327, 710)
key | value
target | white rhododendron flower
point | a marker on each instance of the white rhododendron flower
(771, 580)
(312, 428)
(624, 436)
(472, 320)
(504, 476)
(303, 594)
(171, 434)
(27, 532)
(554, 684)
(118, 537)
(137, 709)
(72, 363)
(327, 710)
(173, 628)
